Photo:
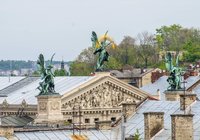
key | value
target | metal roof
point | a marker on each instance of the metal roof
(7, 81)
(132, 124)
(137, 121)
(28, 92)
(63, 135)
(16, 120)
(162, 85)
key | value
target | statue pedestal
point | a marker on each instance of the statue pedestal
(174, 95)
(49, 109)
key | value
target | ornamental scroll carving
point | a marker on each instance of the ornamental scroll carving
(103, 96)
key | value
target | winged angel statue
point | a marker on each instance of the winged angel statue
(101, 44)
(46, 86)
(176, 73)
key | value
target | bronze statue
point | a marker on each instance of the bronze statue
(176, 72)
(46, 86)
(101, 45)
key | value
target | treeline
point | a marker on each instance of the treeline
(15, 64)
(145, 50)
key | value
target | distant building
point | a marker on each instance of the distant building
(62, 65)
(135, 77)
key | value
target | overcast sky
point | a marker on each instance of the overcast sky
(31, 27)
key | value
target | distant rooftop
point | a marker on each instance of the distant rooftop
(130, 73)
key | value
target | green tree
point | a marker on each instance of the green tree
(81, 68)
(136, 136)
(168, 37)
(61, 72)
(113, 64)
(146, 50)
(125, 51)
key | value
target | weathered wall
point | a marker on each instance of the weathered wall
(182, 126)
(153, 123)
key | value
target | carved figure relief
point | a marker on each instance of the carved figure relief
(103, 96)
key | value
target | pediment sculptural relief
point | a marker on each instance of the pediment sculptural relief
(103, 96)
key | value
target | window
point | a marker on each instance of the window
(87, 120)
(96, 119)
(70, 120)
(113, 119)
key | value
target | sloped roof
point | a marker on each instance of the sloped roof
(16, 121)
(5, 82)
(162, 85)
(168, 107)
(195, 109)
(137, 121)
(134, 123)
(63, 135)
(28, 92)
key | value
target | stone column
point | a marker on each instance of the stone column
(182, 126)
(153, 123)
(186, 100)
(49, 109)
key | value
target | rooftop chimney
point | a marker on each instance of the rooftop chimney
(182, 126)
(153, 123)
(186, 100)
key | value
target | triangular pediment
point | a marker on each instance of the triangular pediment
(103, 91)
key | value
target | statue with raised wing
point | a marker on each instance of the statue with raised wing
(101, 44)
(46, 86)
(176, 72)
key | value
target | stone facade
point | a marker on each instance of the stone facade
(6, 131)
(182, 126)
(128, 109)
(13, 109)
(186, 100)
(103, 125)
(101, 100)
(49, 109)
(153, 123)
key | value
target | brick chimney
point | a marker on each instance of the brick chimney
(153, 123)
(186, 100)
(182, 126)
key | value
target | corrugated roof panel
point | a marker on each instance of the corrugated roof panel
(28, 93)
(4, 81)
(21, 136)
(40, 135)
(137, 121)
(61, 135)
